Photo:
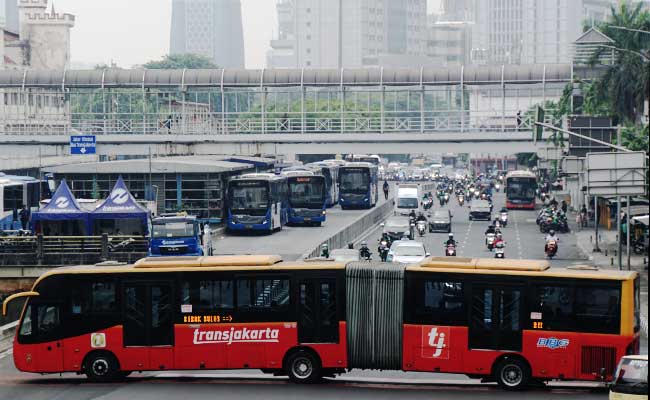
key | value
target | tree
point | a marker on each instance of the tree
(626, 84)
(181, 61)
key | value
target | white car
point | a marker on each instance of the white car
(407, 252)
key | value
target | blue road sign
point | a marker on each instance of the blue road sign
(83, 144)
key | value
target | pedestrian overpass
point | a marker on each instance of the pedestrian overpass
(282, 111)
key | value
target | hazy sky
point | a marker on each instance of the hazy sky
(130, 32)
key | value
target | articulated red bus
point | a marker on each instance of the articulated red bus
(520, 187)
(513, 321)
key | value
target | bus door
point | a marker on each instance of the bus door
(149, 324)
(496, 319)
(317, 311)
(48, 352)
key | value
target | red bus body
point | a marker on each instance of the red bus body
(190, 352)
(214, 342)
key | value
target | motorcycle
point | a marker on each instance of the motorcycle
(365, 254)
(551, 248)
(499, 250)
(497, 187)
(503, 218)
(489, 240)
(446, 197)
(461, 200)
(421, 227)
(383, 249)
(450, 250)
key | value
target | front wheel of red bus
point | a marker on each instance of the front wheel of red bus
(303, 367)
(101, 366)
(512, 373)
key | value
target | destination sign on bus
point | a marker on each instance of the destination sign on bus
(206, 319)
(303, 179)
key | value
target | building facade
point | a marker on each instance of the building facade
(211, 28)
(530, 31)
(372, 33)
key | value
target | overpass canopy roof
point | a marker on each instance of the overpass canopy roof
(167, 165)
(428, 75)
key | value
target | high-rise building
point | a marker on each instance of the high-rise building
(372, 32)
(211, 28)
(531, 31)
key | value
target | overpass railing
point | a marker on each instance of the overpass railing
(70, 250)
(218, 124)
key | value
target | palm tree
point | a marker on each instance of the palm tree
(626, 83)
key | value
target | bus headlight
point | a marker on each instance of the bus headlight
(324, 212)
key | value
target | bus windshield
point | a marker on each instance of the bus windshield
(305, 192)
(173, 229)
(250, 198)
(521, 188)
(355, 180)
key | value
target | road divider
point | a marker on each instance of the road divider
(357, 229)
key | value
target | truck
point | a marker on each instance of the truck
(408, 198)
(179, 235)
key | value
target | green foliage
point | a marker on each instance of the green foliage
(626, 83)
(527, 159)
(635, 137)
(181, 61)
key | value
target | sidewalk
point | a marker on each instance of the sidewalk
(608, 247)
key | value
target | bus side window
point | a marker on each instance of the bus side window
(26, 326)
(441, 302)
(555, 304)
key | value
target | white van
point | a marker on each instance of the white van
(407, 199)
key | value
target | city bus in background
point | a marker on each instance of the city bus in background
(179, 235)
(372, 159)
(257, 202)
(307, 198)
(16, 191)
(330, 172)
(511, 321)
(358, 185)
(520, 187)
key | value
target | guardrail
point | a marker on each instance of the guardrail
(352, 232)
(70, 250)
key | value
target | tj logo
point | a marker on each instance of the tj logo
(435, 342)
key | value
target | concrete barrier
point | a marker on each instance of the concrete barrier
(355, 230)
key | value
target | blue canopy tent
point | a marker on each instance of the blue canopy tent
(62, 216)
(120, 214)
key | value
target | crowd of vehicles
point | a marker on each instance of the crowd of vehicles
(516, 322)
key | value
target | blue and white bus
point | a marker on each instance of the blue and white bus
(307, 197)
(179, 235)
(16, 191)
(257, 202)
(330, 172)
(358, 185)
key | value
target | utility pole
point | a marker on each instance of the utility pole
(340, 38)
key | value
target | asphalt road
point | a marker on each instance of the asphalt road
(522, 236)
(292, 241)
(252, 385)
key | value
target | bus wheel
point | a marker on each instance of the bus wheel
(101, 366)
(303, 367)
(512, 373)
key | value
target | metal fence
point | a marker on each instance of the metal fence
(70, 250)
(220, 111)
